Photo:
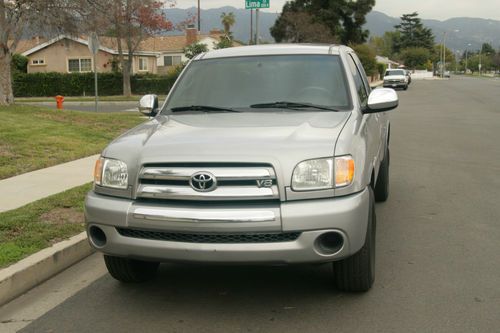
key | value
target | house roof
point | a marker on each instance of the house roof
(148, 47)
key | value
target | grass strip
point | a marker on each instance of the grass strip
(33, 138)
(38, 225)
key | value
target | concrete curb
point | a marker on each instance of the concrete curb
(17, 279)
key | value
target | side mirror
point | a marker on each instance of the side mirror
(382, 99)
(148, 105)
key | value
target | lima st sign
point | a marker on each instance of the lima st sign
(256, 4)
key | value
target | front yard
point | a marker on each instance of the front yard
(33, 137)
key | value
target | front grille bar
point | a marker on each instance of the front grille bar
(205, 238)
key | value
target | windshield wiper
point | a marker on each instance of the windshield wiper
(290, 105)
(202, 108)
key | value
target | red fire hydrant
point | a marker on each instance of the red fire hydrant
(59, 102)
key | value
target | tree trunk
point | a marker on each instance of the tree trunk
(127, 89)
(6, 96)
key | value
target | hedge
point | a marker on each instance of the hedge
(82, 84)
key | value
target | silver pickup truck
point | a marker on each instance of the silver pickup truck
(268, 154)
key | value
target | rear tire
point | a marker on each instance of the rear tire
(357, 273)
(382, 187)
(130, 270)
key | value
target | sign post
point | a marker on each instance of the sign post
(257, 5)
(94, 48)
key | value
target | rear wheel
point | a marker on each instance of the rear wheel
(130, 270)
(357, 273)
(382, 187)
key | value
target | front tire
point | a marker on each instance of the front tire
(130, 270)
(357, 273)
(382, 187)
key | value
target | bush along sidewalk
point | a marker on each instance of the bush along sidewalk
(38, 225)
(82, 84)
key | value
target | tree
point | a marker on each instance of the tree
(343, 18)
(487, 48)
(227, 20)
(194, 49)
(416, 57)
(130, 22)
(367, 57)
(300, 27)
(413, 33)
(19, 63)
(224, 42)
(14, 18)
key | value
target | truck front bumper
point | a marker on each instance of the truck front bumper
(178, 232)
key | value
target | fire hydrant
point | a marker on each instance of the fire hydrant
(59, 102)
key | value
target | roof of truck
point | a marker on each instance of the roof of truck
(273, 49)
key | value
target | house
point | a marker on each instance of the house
(170, 49)
(389, 63)
(69, 54)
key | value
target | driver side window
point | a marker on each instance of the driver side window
(358, 81)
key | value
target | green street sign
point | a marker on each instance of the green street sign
(256, 4)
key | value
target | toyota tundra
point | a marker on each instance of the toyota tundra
(270, 154)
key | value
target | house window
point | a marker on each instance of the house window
(172, 60)
(143, 64)
(38, 62)
(79, 65)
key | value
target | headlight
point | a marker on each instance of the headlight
(111, 173)
(313, 175)
(323, 174)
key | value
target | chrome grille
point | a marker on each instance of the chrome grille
(225, 238)
(234, 183)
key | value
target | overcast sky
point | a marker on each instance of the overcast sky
(428, 9)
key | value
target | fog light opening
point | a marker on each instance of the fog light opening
(329, 243)
(97, 236)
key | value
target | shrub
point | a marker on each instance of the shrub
(80, 84)
(367, 57)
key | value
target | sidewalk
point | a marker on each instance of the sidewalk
(21, 190)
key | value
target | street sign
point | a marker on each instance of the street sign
(93, 43)
(256, 4)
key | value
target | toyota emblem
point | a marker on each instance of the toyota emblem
(203, 182)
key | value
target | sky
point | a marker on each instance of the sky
(427, 9)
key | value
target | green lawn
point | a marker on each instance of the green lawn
(33, 138)
(38, 225)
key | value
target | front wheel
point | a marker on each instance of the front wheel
(357, 273)
(130, 270)
(382, 186)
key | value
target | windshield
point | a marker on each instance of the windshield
(241, 82)
(395, 72)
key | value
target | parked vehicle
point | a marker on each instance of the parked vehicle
(396, 78)
(447, 74)
(271, 154)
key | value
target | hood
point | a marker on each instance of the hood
(279, 138)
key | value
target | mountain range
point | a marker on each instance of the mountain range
(460, 31)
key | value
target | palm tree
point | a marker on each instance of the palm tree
(228, 20)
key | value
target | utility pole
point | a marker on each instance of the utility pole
(466, 56)
(257, 26)
(251, 26)
(199, 17)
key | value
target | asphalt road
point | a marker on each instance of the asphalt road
(438, 249)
